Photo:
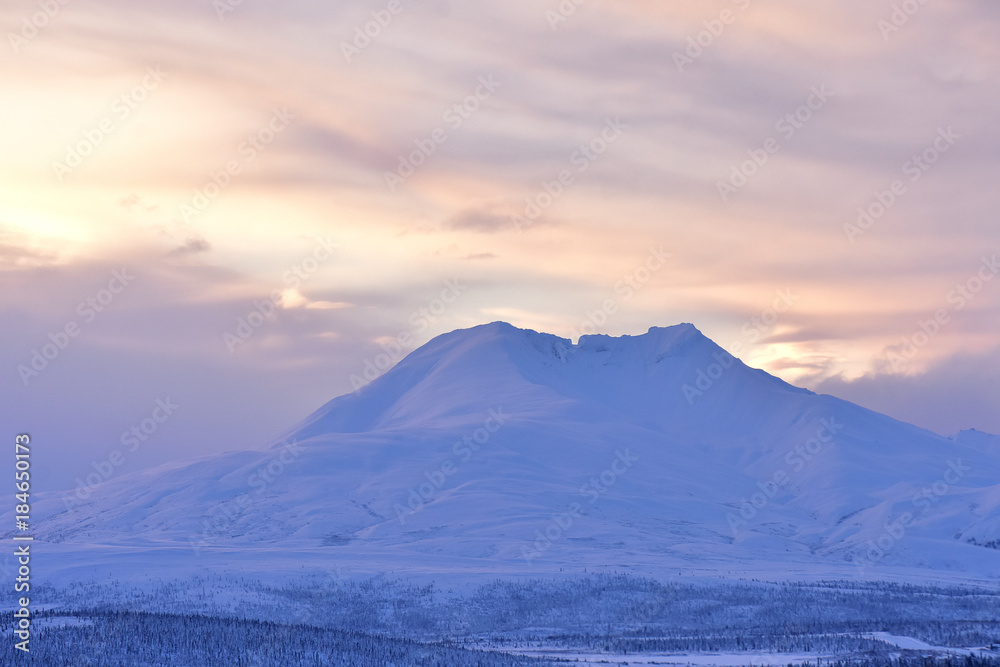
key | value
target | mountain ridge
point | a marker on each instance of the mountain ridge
(747, 468)
(492, 343)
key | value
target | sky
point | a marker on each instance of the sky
(216, 215)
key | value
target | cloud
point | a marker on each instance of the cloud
(493, 219)
(486, 221)
(134, 202)
(956, 393)
(16, 252)
(192, 246)
(164, 335)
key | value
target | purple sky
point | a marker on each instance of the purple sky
(814, 184)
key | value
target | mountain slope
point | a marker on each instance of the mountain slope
(496, 444)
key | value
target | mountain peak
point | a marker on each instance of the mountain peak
(662, 338)
(655, 336)
(456, 377)
(526, 348)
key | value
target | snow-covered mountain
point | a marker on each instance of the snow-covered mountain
(986, 442)
(501, 445)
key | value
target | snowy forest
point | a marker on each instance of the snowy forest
(334, 621)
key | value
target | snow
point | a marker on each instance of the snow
(706, 659)
(985, 442)
(523, 453)
(917, 645)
